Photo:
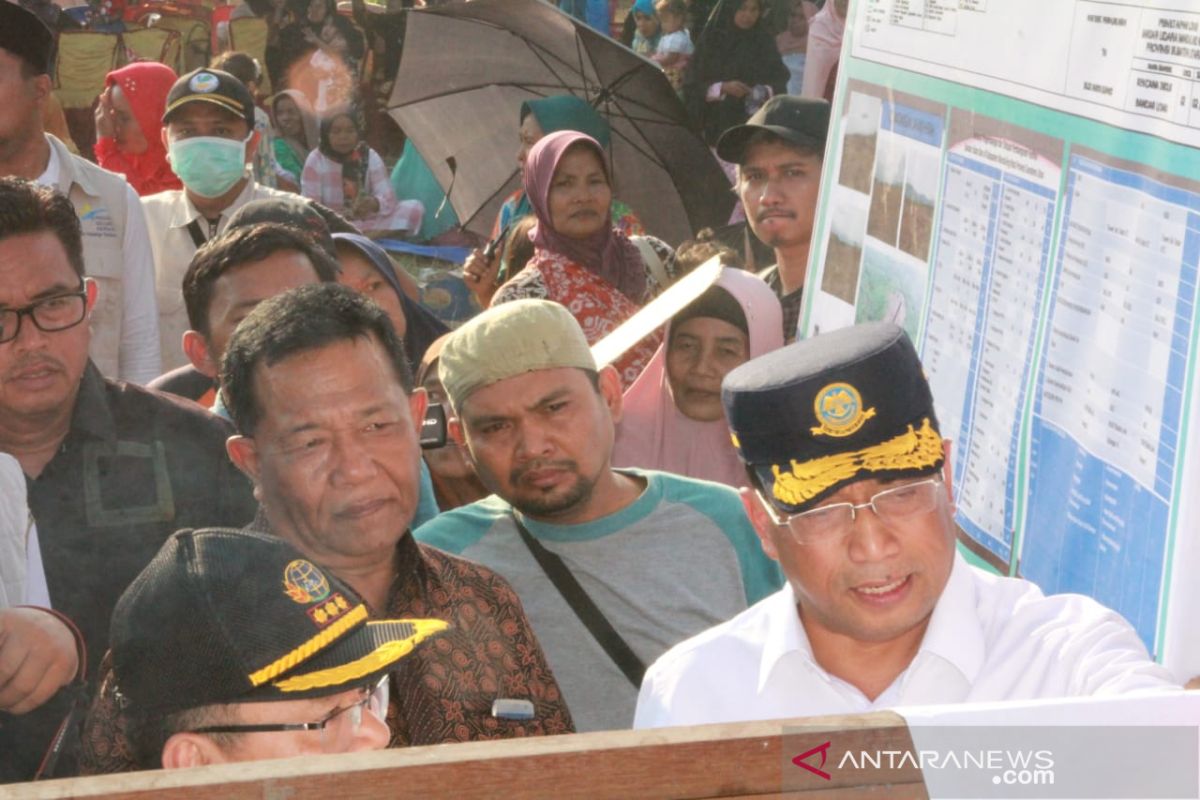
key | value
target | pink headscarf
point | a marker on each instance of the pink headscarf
(825, 32)
(654, 434)
(146, 84)
(607, 253)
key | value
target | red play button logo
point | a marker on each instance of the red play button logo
(823, 749)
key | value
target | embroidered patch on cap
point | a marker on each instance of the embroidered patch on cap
(204, 82)
(839, 410)
(304, 583)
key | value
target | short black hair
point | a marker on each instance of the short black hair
(240, 246)
(29, 70)
(148, 735)
(299, 321)
(242, 66)
(28, 207)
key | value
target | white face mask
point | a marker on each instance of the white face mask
(208, 165)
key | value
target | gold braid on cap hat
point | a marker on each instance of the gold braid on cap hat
(914, 449)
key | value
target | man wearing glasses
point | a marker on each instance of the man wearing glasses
(231, 646)
(111, 469)
(853, 498)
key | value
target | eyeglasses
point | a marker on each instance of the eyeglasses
(338, 728)
(892, 506)
(49, 314)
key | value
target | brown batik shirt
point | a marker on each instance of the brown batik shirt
(443, 691)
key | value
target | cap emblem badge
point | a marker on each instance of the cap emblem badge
(304, 583)
(839, 410)
(204, 82)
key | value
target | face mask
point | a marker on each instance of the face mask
(208, 165)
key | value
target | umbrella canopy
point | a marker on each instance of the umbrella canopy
(466, 69)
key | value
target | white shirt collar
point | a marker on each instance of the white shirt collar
(49, 176)
(185, 211)
(785, 634)
(953, 635)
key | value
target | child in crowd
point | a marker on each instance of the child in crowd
(349, 177)
(645, 38)
(675, 45)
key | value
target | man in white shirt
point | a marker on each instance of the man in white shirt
(210, 139)
(853, 498)
(116, 247)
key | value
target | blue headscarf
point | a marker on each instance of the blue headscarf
(562, 112)
(422, 326)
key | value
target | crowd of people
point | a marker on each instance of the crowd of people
(257, 500)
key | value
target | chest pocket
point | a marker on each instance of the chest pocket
(104, 263)
(127, 484)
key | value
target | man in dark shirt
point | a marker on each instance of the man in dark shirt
(779, 153)
(112, 469)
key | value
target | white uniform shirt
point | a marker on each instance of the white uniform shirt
(14, 518)
(167, 215)
(22, 576)
(990, 638)
(139, 356)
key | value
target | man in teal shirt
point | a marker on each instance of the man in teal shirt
(658, 556)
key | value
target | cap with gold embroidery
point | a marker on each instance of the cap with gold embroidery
(211, 86)
(225, 616)
(816, 415)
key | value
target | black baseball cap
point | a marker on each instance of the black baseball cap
(26, 36)
(231, 616)
(211, 86)
(824, 412)
(803, 121)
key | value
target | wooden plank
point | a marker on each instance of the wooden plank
(729, 761)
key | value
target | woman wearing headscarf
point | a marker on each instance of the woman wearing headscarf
(580, 260)
(824, 49)
(349, 177)
(647, 28)
(736, 68)
(412, 178)
(564, 112)
(672, 419)
(129, 126)
(368, 270)
(295, 132)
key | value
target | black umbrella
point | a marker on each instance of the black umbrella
(468, 66)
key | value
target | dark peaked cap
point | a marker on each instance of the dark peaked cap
(231, 616)
(803, 121)
(824, 412)
(26, 36)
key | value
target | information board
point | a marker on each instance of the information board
(1017, 184)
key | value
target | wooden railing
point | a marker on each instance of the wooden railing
(742, 760)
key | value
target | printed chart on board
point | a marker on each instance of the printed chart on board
(1016, 184)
